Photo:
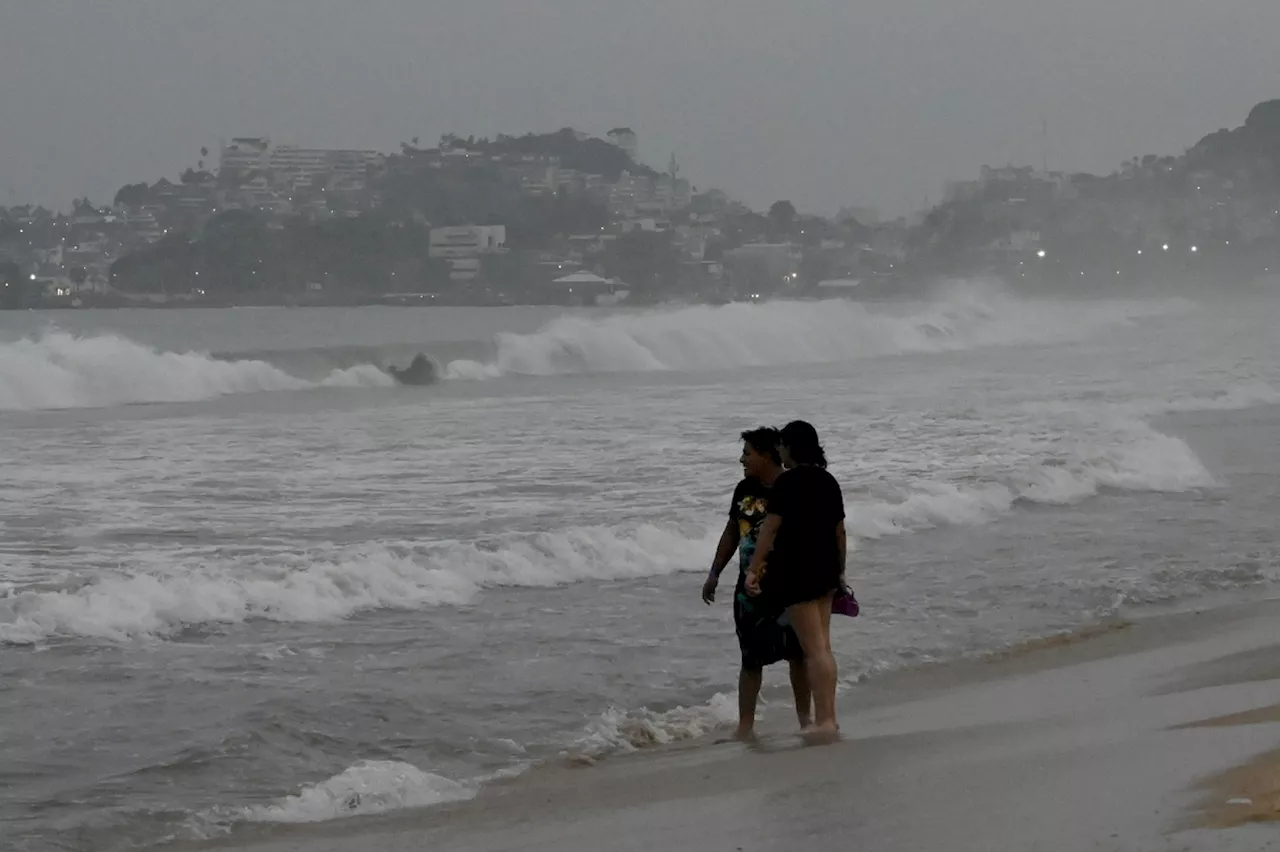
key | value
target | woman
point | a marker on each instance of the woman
(800, 557)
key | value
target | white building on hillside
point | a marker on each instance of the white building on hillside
(464, 245)
(245, 154)
(293, 166)
(467, 240)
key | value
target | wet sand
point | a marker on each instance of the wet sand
(1142, 736)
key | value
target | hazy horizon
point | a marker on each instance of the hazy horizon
(826, 106)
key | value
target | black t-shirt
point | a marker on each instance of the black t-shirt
(809, 502)
(748, 510)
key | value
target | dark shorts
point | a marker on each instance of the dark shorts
(789, 584)
(762, 640)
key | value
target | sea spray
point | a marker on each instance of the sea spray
(58, 370)
(965, 315)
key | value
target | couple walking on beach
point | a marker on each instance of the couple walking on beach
(786, 523)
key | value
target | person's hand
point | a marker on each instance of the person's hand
(752, 583)
(709, 589)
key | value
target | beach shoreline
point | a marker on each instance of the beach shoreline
(1131, 735)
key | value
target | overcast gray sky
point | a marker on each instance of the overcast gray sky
(824, 102)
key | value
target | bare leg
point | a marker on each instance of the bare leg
(803, 694)
(812, 622)
(749, 681)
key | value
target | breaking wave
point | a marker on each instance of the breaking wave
(378, 786)
(59, 370)
(332, 583)
(1137, 458)
(966, 315)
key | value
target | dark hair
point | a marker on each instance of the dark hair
(764, 441)
(801, 440)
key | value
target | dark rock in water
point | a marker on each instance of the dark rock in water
(421, 371)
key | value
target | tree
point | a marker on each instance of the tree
(132, 195)
(782, 215)
(1264, 118)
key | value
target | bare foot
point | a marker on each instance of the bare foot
(821, 734)
(745, 734)
(806, 722)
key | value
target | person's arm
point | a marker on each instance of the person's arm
(724, 552)
(764, 546)
(727, 547)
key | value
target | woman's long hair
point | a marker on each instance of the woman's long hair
(801, 440)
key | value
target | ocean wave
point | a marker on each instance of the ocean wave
(966, 315)
(58, 370)
(1235, 397)
(328, 584)
(377, 786)
(1135, 457)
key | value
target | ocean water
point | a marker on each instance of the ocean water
(247, 580)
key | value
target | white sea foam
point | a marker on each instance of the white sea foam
(1133, 458)
(617, 730)
(368, 787)
(376, 786)
(61, 370)
(326, 584)
(966, 315)
(379, 786)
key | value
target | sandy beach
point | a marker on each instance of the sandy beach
(1156, 735)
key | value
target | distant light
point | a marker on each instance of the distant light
(1194, 248)
(1165, 247)
(33, 276)
(1139, 251)
(1040, 253)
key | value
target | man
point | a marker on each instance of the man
(762, 640)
